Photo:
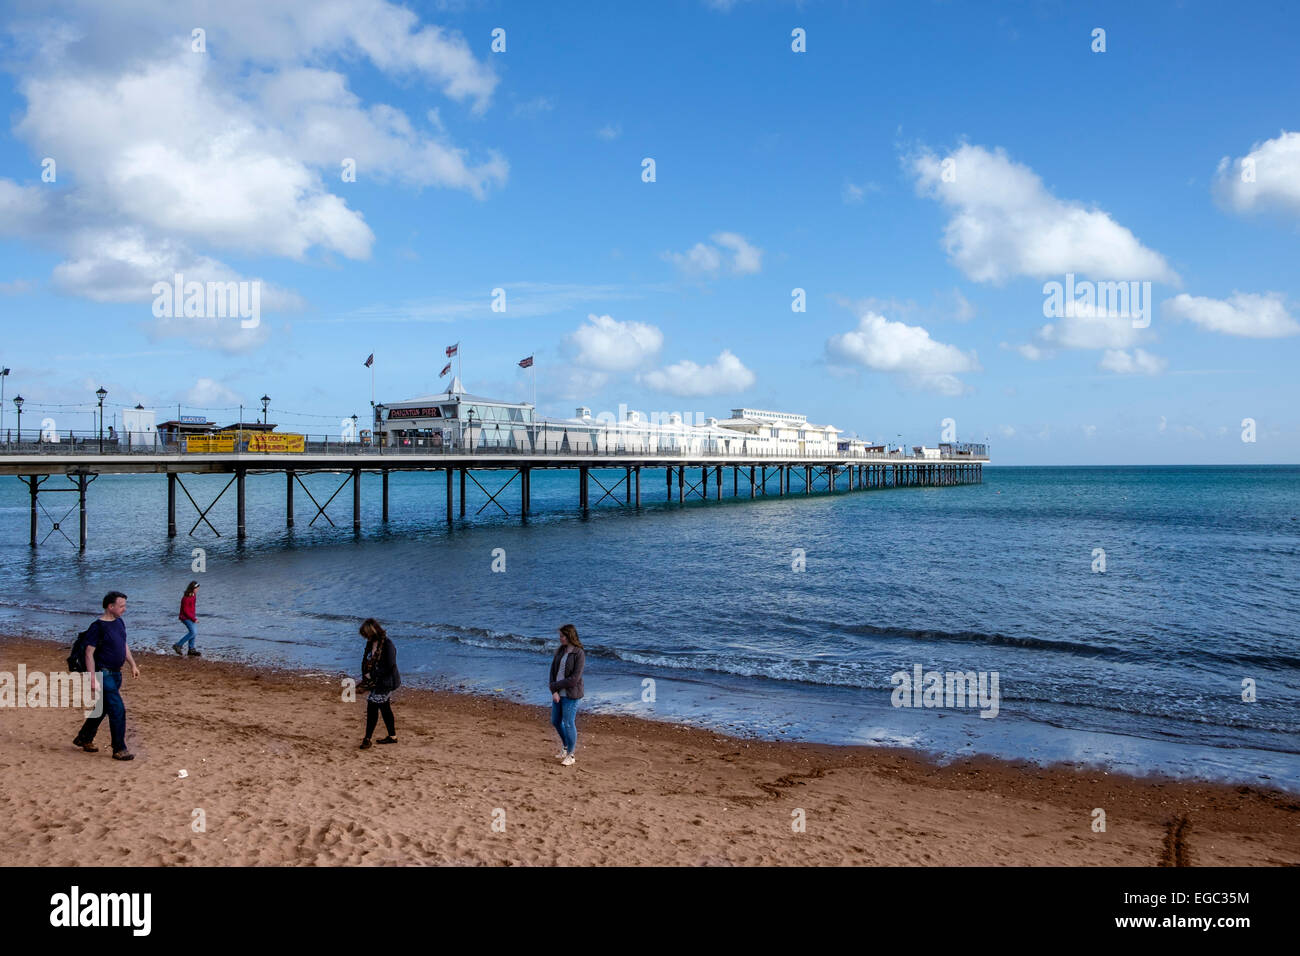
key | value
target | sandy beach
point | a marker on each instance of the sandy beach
(271, 761)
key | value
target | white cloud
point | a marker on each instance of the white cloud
(167, 157)
(1265, 179)
(1027, 350)
(854, 193)
(610, 131)
(1099, 331)
(685, 378)
(1007, 431)
(607, 345)
(534, 107)
(705, 259)
(1005, 223)
(962, 310)
(1245, 314)
(1138, 362)
(523, 300)
(907, 350)
(209, 393)
(1089, 431)
(17, 287)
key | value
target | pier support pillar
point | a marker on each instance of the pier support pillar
(450, 516)
(288, 499)
(81, 503)
(751, 481)
(807, 479)
(717, 473)
(356, 499)
(582, 488)
(462, 491)
(524, 476)
(171, 505)
(384, 482)
(670, 483)
(32, 484)
(735, 481)
(241, 503)
(627, 486)
(681, 484)
(704, 482)
(637, 473)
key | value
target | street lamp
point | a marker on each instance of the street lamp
(355, 436)
(102, 393)
(266, 400)
(18, 404)
(471, 431)
(4, 374)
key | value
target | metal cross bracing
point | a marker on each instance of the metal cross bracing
(492, 495)
(81, 481)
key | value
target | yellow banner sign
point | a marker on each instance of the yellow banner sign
(209, 443)
(280, 444)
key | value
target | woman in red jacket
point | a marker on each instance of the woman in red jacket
(189, 619)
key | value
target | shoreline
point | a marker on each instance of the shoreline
(642, 791)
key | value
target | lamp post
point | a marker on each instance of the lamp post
(4, 374)
(355, 436)
(18, 404)
(101, 393)
(471, 431)
(266, 400)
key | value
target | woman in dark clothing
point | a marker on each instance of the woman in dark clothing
(379, 674)
(566, 690)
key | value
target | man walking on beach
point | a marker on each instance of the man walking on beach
(106, 649)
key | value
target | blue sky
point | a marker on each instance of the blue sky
(1171, 157)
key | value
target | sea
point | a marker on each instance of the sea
(1141, 620)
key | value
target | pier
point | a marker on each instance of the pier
(613, 476)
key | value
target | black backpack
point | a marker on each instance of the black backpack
(77, 656)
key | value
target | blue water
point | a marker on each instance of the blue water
(1139, 668)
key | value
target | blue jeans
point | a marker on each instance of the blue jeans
(564, 715)
(111, 687)
(189, 635)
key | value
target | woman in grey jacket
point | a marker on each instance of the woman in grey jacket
(566, 690)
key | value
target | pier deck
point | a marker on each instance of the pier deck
(695, 476)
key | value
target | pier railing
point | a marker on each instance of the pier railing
(80, 444)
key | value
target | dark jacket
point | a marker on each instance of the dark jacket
(380, 672)
(571, 680)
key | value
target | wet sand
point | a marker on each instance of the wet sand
(275, 776)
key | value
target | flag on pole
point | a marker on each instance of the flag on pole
(370, 361)
(445, 369)
(451, 349)
(526, 363)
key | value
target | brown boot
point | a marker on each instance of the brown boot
(85, 745)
